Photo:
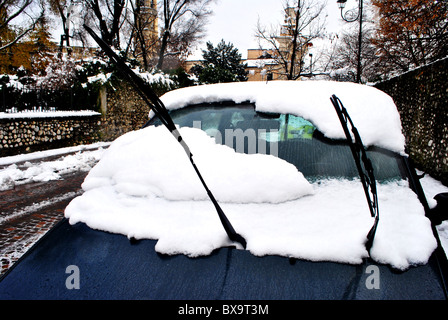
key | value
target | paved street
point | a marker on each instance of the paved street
(28, 211)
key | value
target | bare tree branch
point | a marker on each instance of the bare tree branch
(303, 23)
(183, 23)
(11, 10)
(20, 36)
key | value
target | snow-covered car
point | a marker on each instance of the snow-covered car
(276, 158)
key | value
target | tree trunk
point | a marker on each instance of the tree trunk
(295, 34)
(163, 46)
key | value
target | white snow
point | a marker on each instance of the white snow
(144, 187)
(13, 174)
(149, 77)
(373, 112)
(155, 77)
(432, 187)
(140, 165)
(260, 63)
(50, 153)
(46, 114)
(101, 78)
(38, 206)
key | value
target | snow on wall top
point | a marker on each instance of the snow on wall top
(47, 114)
(373, 112)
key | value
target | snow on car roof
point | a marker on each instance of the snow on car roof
(373, 112)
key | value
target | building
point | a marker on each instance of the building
(275, 63)
(266, 64)
(261, 66)
(151, 27)
(147, 30)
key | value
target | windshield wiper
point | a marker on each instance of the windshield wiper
(363, 164)
(150, 98)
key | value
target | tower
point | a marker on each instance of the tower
(292, 44)
(287, 30)
(147, 32)
(149, 13)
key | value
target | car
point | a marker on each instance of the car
(299, 193)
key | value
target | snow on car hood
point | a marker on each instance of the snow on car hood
(373, 111)
(144, 187)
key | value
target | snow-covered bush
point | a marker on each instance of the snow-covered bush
(70, 84)
(98, 72)
(59, 74)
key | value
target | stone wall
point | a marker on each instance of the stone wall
(123, 111)
(22, 135)
(421, 97)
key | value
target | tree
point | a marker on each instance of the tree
(42, 51)
(63, 8)
(344, 63)
(411, 33)
(108, 16)
(144, 36)
(220, 64)
(343, 57)
(10, 12)
(303, 24)
(182, 25)
(33, 52)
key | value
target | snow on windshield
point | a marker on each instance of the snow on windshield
(373, 112)
(144, 187)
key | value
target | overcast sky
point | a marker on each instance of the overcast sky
(235, 21)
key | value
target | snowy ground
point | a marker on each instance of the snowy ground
(18, 235)
(33, 167)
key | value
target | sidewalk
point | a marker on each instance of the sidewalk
(28, 211)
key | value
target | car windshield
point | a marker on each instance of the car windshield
(286, 136)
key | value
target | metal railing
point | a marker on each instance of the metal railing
(14, 99)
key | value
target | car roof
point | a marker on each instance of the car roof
(373, 111)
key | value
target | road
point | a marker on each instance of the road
(29, 210)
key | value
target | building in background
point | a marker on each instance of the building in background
(146, 29)
(272, 64)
